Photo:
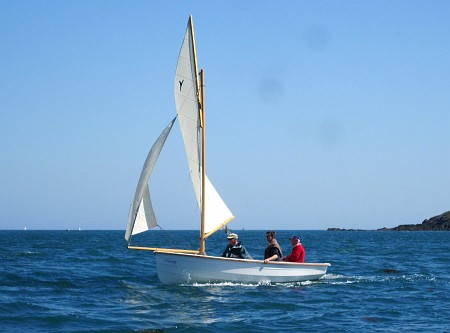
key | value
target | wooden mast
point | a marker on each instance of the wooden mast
(202, 124)
(201, 102)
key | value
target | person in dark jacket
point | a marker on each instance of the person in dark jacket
(235, 249)
(273, 250)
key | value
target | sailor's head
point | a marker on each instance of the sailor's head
(232, 238)
(270, 235)
(294, 239)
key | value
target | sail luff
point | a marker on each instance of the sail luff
(194, 52)
(141, 211)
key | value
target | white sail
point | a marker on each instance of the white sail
(187, 103)
(145, 217)
(142, 217)
(217, 212)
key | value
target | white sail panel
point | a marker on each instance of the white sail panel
(141, 214)
(216, 211)
(186, 100)
(145, 217)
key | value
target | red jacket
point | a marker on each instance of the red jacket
(297, 255)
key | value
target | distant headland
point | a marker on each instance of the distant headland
(435, 223)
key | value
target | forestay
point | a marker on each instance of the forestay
(142, 216)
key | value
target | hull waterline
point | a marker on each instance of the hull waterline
(180, 268)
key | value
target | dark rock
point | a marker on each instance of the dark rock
(436, 223)
(339, 229)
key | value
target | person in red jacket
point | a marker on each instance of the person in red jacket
(298, 251)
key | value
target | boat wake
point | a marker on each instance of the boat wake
(250, 285)
(337, 279)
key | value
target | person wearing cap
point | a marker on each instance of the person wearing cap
(235, 249)
(298, 251)
(273, 250)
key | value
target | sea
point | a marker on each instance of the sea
(88, 281)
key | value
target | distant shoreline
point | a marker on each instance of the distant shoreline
(435, 223)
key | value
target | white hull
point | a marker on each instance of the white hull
(179, 268)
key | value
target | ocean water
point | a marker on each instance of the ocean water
(87, 281)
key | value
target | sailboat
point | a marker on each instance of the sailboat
(181, 266)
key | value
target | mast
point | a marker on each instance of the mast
(202, 124)
(201, 108)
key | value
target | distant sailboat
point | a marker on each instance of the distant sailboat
(176, 266)
(25, 228)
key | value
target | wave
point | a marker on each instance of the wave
(250, 285)
(343, 279)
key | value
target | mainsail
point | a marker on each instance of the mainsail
(142, 216)
(188, 106)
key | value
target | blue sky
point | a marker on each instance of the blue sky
(320, 113)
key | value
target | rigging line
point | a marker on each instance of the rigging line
(227, 231)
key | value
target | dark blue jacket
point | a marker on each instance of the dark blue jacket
(237, 251)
